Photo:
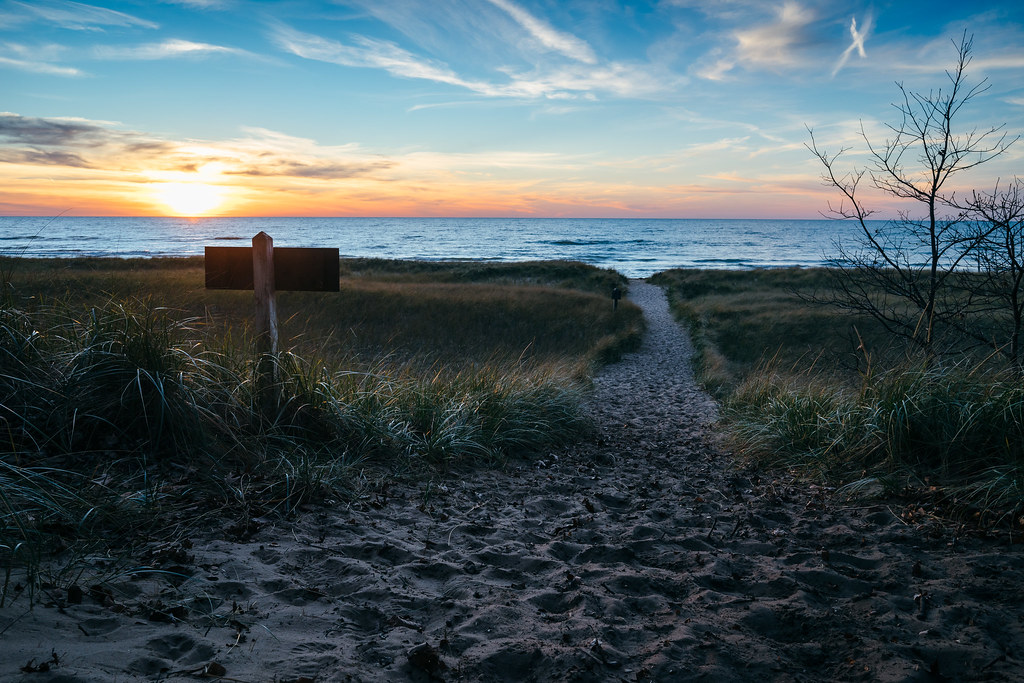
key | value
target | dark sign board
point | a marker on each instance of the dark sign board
(301, 269)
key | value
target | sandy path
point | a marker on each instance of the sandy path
(641, 555)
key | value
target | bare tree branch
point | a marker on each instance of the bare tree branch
(908, 273)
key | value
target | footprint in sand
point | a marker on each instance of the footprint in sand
(175, 650)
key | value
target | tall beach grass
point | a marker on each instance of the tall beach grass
(827, 395)
(124, 417)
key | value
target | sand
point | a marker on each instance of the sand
(643, 554)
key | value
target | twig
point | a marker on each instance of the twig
(713, 525)
(739, 523)
(898, 518)
(14, 621)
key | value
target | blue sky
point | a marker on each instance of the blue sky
(471, 107)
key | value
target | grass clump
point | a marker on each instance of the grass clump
(946, 423)
(824, 393)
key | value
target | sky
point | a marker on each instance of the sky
(545, 108)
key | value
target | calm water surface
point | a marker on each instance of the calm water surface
(636, 247)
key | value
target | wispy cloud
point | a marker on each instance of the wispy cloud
(454, 104)
(714, 66)
(40, 67)
(551, 38)
(778, 43)
(35, 157)
(773, 45)
(724, 9)
(447, 29)
(553, 82)
(201, 4)
(80, 143)
(999, 62)
(857, 44)
(372, 53)
(587, 81)
(705, 148)
(79, 16)
(671, 161)
(267, 153)
(487, 162)
(39, 58)
(50, 132)
(704, 121)
(326, 170)
(938, 56)
(163, 50)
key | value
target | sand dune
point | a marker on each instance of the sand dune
(642, 554)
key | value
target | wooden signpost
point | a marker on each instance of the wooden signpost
(266, 271)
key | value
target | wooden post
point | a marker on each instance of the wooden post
(266, 317)
(265, 270)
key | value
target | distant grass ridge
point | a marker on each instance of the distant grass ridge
(562, 274)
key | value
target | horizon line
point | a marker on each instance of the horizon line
(512, 217)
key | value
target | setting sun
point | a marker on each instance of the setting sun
(190, 199)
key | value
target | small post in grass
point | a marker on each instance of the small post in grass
(266, 271)
(265, 294)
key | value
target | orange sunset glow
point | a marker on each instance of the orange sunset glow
(190, 199)
(412, 185)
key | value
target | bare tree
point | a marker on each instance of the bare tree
(902, 273)
(999, 282)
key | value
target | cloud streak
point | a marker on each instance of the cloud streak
(555, 83)
(167, 49)
(78, 16)
(201, 4)
(40, 58)
(326, 170)
(50, 132)
(35, 157)
(40, 67)
(372, 53)
(551, 38)
(83, 144)
(857, 45)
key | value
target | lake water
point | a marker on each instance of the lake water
(635, 247)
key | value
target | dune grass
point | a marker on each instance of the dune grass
(828, 395)
(455, 313)
(123, 416)
(562, 274)
(741, 320)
